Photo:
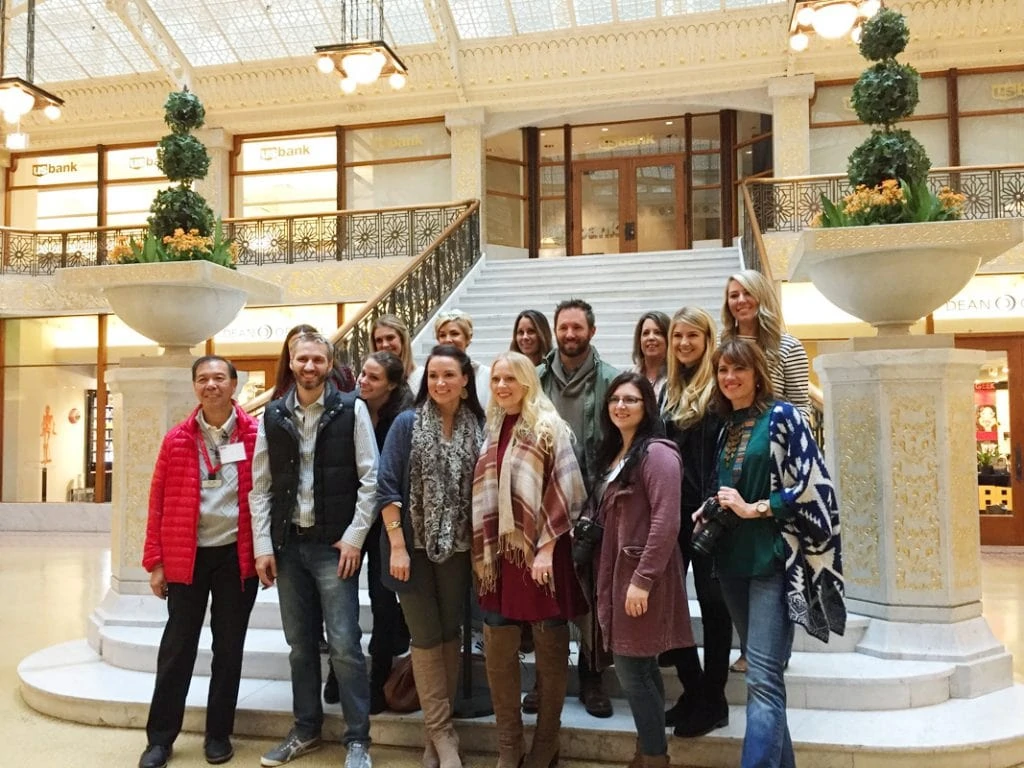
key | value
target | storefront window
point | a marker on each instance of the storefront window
(50, 371)
(552, 145)
(287, 175)
(706, 209)
(647, 137)
(398, 184)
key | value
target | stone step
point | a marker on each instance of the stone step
(812, 678)
(71, 682)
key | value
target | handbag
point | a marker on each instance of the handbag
(586, 536)
(400, 687)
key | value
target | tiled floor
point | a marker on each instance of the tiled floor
(51, 583)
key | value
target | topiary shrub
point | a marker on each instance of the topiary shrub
(182, 157)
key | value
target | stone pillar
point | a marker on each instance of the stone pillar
(899, 437)
(150, 396)
(216, 187)
(791, 126)
(466, 127)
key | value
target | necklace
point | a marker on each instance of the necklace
(736, 438)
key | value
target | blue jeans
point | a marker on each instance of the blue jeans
(307, 572)
(641, 681)
(758, 609)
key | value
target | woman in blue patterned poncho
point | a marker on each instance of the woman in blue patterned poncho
(779, 563)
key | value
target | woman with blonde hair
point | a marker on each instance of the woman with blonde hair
(694, 427)
(391, 334)
(751, 310)
(527, 491)
(455, 327)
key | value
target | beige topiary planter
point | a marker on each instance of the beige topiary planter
(177, 304)
(892, 275)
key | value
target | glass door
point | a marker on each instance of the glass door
(628, 205)
(998, 388)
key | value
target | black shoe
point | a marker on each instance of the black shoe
(331, 695)
(703, 719)
(680, 711)
(218, 750)
(155, 756)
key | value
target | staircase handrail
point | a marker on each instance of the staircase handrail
(352, 340)
(752, 247)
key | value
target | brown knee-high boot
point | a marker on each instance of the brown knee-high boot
(502, 662)
(428, 667)
(551, 650)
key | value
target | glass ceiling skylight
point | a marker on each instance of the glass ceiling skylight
(81, 39)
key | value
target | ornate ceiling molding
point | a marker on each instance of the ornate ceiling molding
(684, 60)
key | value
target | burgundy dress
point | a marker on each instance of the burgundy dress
(517, 595)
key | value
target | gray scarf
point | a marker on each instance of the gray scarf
(442, 473)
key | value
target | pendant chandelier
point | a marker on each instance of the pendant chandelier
(20, 96)
(363, 56)
(830, 19)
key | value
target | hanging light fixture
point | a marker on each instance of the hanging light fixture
(20, 96)
(830, 19)
(362, 57)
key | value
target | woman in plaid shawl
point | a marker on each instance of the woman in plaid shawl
(527, 491)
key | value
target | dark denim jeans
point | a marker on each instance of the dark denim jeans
(307, 572)
(641, 681)
(758, 609)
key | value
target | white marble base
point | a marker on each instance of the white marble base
(71, 682)
(56, 517)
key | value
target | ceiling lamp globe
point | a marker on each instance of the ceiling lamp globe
(52, 112)
(805, 16)
(15, 103)
(835, 20)
(397, 81)
(325, 64)
(348, 85)
(799, 42)
(869, 8)
(364, 68)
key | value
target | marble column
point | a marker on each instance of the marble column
(791, 127)
(150, 396)
(466, 127)
(899, 437)
(216, 187)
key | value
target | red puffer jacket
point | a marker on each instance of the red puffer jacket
(172, 530)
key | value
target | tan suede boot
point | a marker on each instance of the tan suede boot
(502, 660)
(452, 651)
(551, 650)
(428, 666)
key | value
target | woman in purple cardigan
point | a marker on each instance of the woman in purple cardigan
(641, 603)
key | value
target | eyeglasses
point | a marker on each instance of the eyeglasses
(624, 400)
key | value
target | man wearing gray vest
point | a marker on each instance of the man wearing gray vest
(314, 484)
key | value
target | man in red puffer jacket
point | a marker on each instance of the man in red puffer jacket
(198, 543)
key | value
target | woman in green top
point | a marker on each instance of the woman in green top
(761, 494)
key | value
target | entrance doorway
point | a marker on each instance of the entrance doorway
(998, 433)
(629, 205)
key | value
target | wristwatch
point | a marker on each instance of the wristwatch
(763, 508)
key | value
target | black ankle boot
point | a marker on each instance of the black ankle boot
(703, 718)
(679, 711)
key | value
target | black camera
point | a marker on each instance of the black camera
(586, 535)
(717, 521)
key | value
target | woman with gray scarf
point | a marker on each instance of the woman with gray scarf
(424, 494)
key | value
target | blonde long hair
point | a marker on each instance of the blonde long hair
(687, 399)
(538, 415)
(770, 325)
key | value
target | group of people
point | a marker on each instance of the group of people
(551, 487)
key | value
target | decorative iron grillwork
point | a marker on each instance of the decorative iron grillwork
(404, 232)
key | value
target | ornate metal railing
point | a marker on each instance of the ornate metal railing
(414, 295)
(335, 236)
(789, 204)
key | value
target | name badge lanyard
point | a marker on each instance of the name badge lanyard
(211, 481)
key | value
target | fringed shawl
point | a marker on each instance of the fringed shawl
(813, 548)
(533, 500)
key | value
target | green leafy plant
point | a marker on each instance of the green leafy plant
(182, 226)
(889, 170)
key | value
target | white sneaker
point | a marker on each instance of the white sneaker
(358, 756)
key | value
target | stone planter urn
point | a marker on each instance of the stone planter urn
(892, 275)
(177, 304)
